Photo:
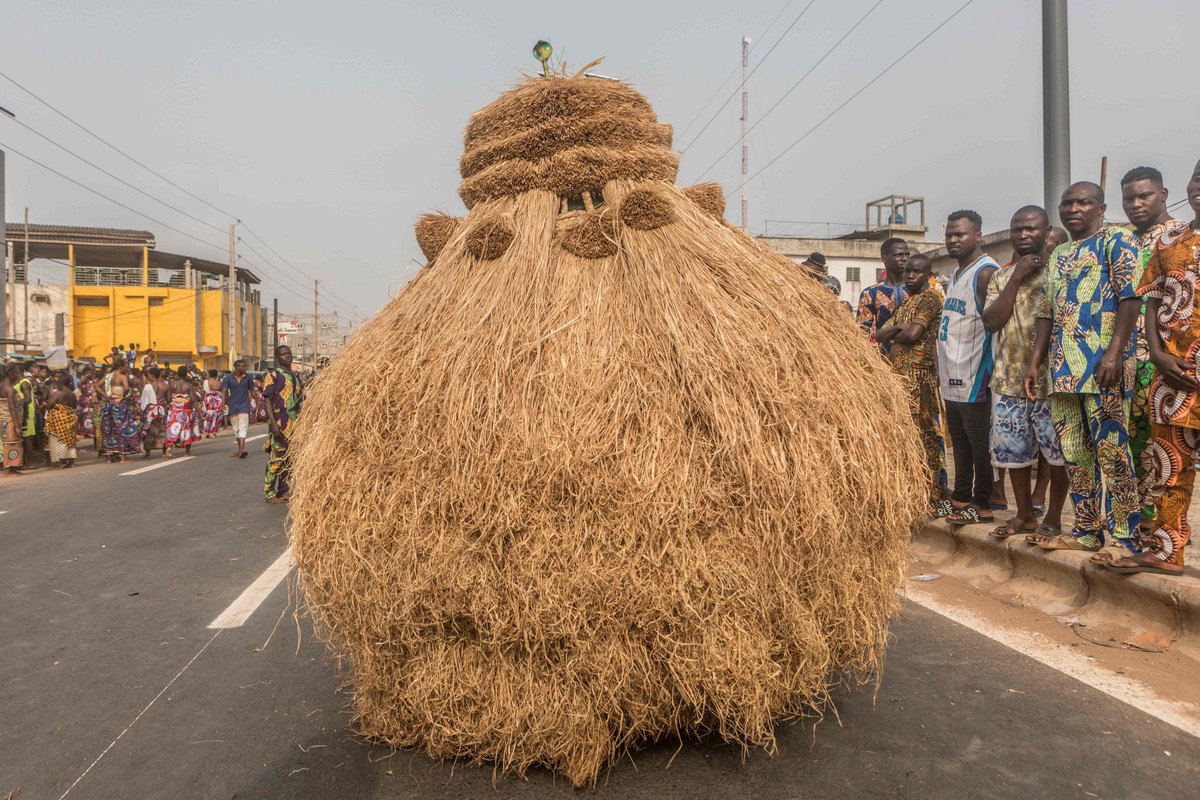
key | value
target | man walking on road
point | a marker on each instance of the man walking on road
(283, 394)
(1144, 200)
(1092, 308)
(879, 302)
(236, 387)
(1172, 305)
(965, 370)
(1021, 426)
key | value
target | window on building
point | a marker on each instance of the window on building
(853, 274)
(92, 301)
(156, 301)
(40, 298)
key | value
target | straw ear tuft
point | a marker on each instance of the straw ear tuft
(588, 234)
(710, 197)
(433, 231)
(490, 238)
(646, 209)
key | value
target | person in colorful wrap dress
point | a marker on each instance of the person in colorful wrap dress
(61, 424)
(119, 426)
(154, 412)
(182, 428)
(83, 410)
(1172, 308)
(283, 395)
(1088, 335)
(1144, 201)
(12, 451)
(214, 405)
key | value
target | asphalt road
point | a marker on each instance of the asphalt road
(113, 686)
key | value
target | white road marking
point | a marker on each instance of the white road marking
(260, 436)
(166, 462)
(248, 601)
(1070, 663)
(139, 716)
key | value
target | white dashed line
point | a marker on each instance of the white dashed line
(260, 436)
(166, 462)
(1069, 663)
(248, 601)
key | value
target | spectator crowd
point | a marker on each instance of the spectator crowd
(129, 411)
(1080, 357)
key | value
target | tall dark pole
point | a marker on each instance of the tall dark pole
(275, 332)
(3, 263)
(1056, 103)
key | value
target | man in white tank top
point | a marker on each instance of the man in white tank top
(965, 370)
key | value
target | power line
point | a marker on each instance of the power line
(868, 85)
(762, 117)
(180, 231)
(277, 254)
(732, 72)
(149, 169)
(782, 36)
(115, 178)
(109, 144)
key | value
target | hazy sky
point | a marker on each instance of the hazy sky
(328, 127)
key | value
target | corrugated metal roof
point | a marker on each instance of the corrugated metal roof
(15, 232)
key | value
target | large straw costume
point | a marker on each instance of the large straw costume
(599, 476)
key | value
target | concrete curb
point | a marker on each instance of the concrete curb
(1065, 583)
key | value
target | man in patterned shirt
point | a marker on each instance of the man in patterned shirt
(879, 302)
(1144, 200)
(1173, 330)
(912, 335)
(1022, 428)
(1087, 330)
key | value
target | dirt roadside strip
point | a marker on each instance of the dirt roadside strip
(1152, 609)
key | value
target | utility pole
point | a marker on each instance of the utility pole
(275, 332)
(316, 328)
(232, 297)
(745, 116)
(25, 337)
(4, 263)
(1056, 102)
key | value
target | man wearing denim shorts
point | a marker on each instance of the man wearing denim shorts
(236, 387)
(1021, 426)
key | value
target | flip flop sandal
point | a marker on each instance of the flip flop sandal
(1131, 565)
(1002, 532)
(967, 516)
(1110, 553)
(1038, 509)
(1044, 532)
(999, 506)
(943, 509)
(1065, 541)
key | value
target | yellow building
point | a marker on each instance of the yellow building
(124, 291)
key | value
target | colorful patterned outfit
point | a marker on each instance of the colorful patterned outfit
(1169, 459)
(214, 410)
(12, 450)
(1139, 414)
(1086, 281)
(83, 413)
(182, 429)
(154, 417)
(285, 393)
(877, 304)
(1021, 428)
(917, 363)
(61, 428)
(119, 427)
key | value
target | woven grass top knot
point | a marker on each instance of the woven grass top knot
(544, 127)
